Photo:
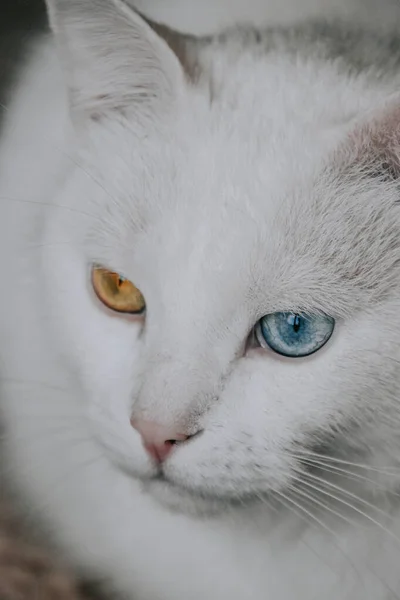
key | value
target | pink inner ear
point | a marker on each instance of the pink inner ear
(377, 144)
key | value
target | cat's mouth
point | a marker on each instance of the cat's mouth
(180, 498)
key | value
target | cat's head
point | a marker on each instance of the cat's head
(259, 220)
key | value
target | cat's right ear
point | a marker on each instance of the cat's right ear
(374, 145)
(113, 59)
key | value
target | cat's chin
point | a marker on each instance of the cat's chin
(181, 500)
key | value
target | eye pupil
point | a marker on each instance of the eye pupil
(296, 323)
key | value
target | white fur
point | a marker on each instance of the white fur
(209, 16)
(221, 210)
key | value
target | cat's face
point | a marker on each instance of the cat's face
(222, 207)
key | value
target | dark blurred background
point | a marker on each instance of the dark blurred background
(20, 20)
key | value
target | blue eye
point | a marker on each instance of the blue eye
(294, 335)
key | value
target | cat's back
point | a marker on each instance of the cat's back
(213, 15)
(351, 50)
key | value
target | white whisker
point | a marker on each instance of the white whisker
(323, 458)
(324, 527)
(347, 474)
(341, 490)
(58, 486)
(330, 510)
(49, 205)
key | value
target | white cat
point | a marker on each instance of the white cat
(232, 430)
(209, 16)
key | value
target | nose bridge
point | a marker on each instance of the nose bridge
(186, 356)
(175, 390)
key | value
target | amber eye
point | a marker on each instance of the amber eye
(116, 292)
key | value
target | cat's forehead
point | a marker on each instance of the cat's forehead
(287, 229)
(246, 185)
(214, 168)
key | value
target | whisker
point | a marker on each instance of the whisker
(53, 426)
(313, 518)
(340, 461)
(325, 527)
(49, 205)
(59, 486)
(347, 504)
(44, 384)
(342, 491)
(268, 503)
(8, 470)
(301, 516)
(38, 435)
(73, 160)
(321, 504)
(345, 473)
(327, 508)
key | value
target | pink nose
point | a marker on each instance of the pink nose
(157, 439)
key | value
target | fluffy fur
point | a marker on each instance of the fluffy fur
(211, 15)
(244, 174)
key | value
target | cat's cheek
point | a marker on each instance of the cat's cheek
(110, 427)
(105, 350)
(249, 434)
(110, 372)
(242, 451)
(109, 409)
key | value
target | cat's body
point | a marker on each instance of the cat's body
(210, 16)
(262, 180)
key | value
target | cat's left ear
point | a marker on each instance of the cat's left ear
(113, 58)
